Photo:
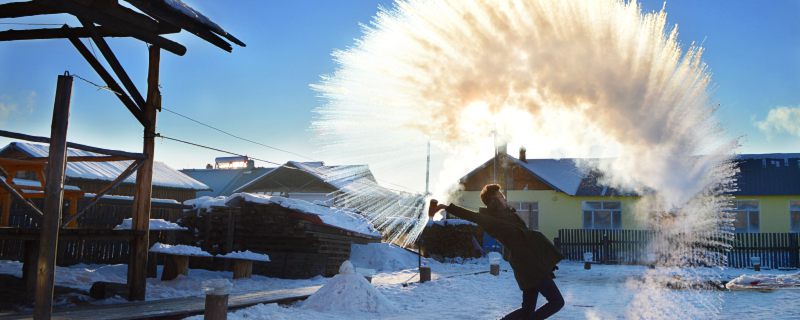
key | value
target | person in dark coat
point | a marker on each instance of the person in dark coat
(532, 256)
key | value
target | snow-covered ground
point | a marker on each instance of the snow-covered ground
(604, 292)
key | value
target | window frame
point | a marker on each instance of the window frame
(794, 208)
(592, 208)
(532, 207)
(748, 213)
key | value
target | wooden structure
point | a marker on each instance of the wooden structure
(775, 250)
(100, 19)
(299, 246)
(450, 240)
(94, 176)
(175, 308)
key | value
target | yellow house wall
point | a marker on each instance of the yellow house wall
(560, 211)
(557, 210)
(773, 212)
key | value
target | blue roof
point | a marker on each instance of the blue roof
(768, 174)
(223, 182)
(759, 175)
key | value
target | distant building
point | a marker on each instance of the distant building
(338, 185)
(553, 194)
(227, 175)
(91, 177)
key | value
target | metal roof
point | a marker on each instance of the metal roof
(223, 182)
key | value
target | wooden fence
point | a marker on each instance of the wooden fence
(107, 214)
(776, 250)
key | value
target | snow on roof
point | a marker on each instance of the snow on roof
(179, 249)
(130, 198)
(334, 217)
(562, 174)
(224, 182)
(155, 224)
(163, 175)
(34, 183)
(245, 255)
(347, 178)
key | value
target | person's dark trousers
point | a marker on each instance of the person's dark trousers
(549, 290)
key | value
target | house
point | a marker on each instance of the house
(553, 194)
(227, 175)
(333, 185)
(91, 177)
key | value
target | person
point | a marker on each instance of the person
(532, 256)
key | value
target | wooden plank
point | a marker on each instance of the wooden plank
(137, 268)
(72, 145)
(24, 9)
(176, 307)
(59, 33)
(53, 203)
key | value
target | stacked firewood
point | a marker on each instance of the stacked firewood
(452, 240)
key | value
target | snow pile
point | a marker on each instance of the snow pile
(206, 202)
(179, 249)
(764, 281)
(382, 257)
(330, 216)
(155, 224)
(348, 291)
(245, 255)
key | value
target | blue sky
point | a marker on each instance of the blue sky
(262, 91)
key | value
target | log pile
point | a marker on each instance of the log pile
(297, 246)
(451, 241)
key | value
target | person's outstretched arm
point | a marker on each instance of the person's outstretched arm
(487, 222)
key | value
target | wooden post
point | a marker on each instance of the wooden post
(137, 267)
(424, 274)
(29, 268)
(54, 200)
(242, 268)
(216, 307)
(173, 266)
(494, 269)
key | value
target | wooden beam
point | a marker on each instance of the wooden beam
(122, 176)
(198, 29)
(121, 19)
(114, 63)
(20, 197)
(108, 79)
(24, 9)
(137, 268)
(59, 33)
(72, 145)
(54, 201)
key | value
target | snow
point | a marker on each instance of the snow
(35, 183)
(163, 175)
(764, 281)
(603, 292)
(340, 218)
(245, 255)
(130, 198)
(179, 249)
(348, 292)
(384, 257)
(454, 222)
(155, 224)
(563, 174)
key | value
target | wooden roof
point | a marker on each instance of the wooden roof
(150, 20)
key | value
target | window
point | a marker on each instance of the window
(528, 211)
(746, 213)
(794, 215)
(602, 215)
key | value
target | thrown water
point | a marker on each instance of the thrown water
(598, 79)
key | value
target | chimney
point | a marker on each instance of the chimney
(522, 156)
(209, 166)
(251, 164)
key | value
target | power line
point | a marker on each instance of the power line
(99, 87)
(233, 135)
(158, 135)
(30, 24)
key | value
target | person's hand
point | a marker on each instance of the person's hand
(441, 207)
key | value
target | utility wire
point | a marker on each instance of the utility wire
(99, 87)
(233, 135)
(158, 135)
(30, 24)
